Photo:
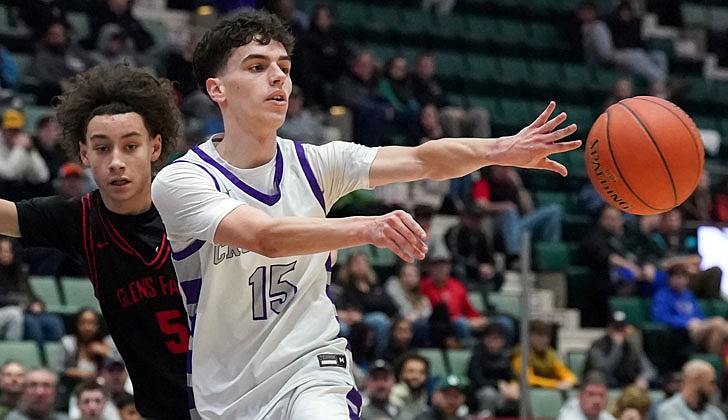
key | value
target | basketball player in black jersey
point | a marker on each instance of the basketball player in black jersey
(121, 121)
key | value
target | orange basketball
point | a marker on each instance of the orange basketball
(644, 155)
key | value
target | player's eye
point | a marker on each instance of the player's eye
(131, 146)
(101, 149)
(256, 67)
(286, 70)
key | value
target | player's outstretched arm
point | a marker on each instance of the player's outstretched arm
(9, 219)
(452, 158)
(249, 228)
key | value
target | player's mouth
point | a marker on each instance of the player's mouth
(278, 97)
(120, 182)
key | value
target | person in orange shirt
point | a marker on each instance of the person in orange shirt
(545, 369)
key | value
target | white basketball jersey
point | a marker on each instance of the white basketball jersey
(260, 326)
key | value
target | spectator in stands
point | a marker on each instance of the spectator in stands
(358, 90)
(396, 88)
(375, 404)
(699, 206)
(600, 47)
(71, 181)
(38, 15)
(693, 401)
(12, 283)
(679, 247)
(15, 289)
(621, 89)
(615, 266)
(359, 292)
(545, 368)
(113, 47)
(619, 357)
(502, 193)
(127, 408)
(12, 378)
(400, 340)
(9, 74)
(86, 348)
(456, 121)
(118, 12)
(111, 380)
(326, 56)
(56, 59)
(442, 7)
(591, 402)
(447, 400)
(404, 290)
(39, 397)
(671, 385)
(45, 140)
(633, 403)
(424, 216)
(720, 200)
(472, 256)
(20, 163)
(676, 306)
(441, 288)
(492, 376)
(410, 394)
(301, 124)
(90, 401)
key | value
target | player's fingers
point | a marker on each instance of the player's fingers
(408, 240)
(554, 166)
(553, 123)
(400, 252)
(561, 133)
(412, 225)
(541, 119)
(564, 146)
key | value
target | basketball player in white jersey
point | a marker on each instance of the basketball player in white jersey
(245, 214)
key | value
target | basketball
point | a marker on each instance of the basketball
(644, 155)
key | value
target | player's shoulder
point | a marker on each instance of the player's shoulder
(53, 203)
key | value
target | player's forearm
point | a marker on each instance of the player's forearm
(9, 219)
(455, 157)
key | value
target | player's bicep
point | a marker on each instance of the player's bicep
(9, 219)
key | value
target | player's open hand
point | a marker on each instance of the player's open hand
(399, 232)
(531, 147)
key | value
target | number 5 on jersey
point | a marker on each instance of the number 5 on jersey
(270, 290)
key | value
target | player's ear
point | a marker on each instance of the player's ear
(83, 152)
(156, 147)
(215, 89)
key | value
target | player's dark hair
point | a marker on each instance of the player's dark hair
(88, 385)
(118, 89)
(216, 46)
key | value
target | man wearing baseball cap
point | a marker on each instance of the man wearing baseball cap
(20, 162)
(448, 400)
(376, 405)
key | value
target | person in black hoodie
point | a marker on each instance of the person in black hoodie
(492, 376)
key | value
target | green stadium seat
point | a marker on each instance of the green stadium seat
(459, 359)
(545, 77)
(506, 304)
(483, 30)
(476, 299)
(46, 288)
(79, 23)
(577, 77)
(549, 256)
(79, 293)
(33, 113)
(451, 64)
(513, 72)
(352, 15)
(437, 362)
(385, 20)
(514, 33)
(54, 356)
(719, 307)
(26, 352)
(415, 24)
(575, 360)
(636, 309)
(449, 29)
(544, 402)
(484, 68)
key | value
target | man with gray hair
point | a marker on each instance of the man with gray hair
(591, 402)
(38, 398)
(693, 401)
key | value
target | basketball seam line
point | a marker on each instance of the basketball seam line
(659, 152)
(690, 132)
(616, 166)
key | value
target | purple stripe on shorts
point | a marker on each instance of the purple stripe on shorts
(192, 290)
(353, 397)
(193, 322)
(267, 199)
(190, 398)
(191, 249)
(309, 175)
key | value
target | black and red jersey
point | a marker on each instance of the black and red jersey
(129, 264)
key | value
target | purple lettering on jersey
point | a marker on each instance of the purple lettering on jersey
(267, 199)
(189, 250)
(191, 289)
(310, 177)
(353, 400)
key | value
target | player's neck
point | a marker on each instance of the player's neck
(137, 204)
(247, 148)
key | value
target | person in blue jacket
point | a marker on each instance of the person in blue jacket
(676, 306)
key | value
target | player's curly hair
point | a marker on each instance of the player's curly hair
(118, 89)
(216, 46)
